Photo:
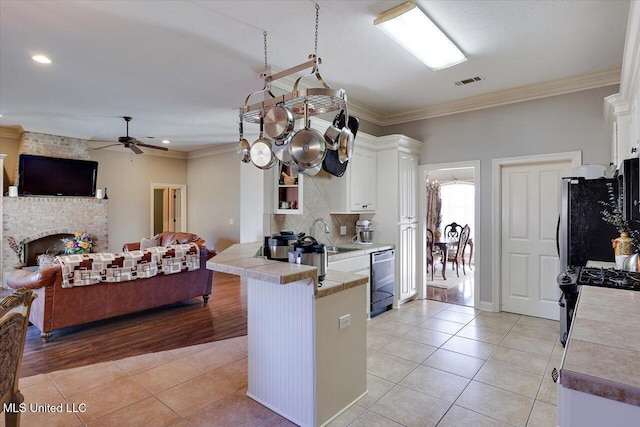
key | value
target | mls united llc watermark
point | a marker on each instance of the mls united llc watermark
(44, 407)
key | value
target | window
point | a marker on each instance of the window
(458, 203)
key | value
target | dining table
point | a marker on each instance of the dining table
(444, 244)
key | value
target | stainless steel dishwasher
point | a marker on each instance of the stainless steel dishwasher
(382, 281)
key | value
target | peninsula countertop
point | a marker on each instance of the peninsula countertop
(603, 352)
(241, 259)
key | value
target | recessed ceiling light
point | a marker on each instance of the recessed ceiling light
(41, 59)
(166, 141)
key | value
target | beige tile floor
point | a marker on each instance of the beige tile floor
(429, 363)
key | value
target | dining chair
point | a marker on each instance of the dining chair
(14, 319)
(432, 253)
(452, 232)
(458, 257)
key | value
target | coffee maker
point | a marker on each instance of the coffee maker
(364, 232)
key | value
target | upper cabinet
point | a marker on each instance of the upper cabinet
(355, 191)
(622, 110)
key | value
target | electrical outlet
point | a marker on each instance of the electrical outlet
(230, 221)
(343, 230)
(345, 321)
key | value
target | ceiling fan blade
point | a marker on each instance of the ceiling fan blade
(106, 146)
(142, 144)
(135, 149)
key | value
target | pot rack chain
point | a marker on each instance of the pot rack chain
(319, 100)
(315, 46)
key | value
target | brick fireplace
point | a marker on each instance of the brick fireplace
(27, 219)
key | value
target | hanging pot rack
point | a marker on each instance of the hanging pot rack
(321, 100)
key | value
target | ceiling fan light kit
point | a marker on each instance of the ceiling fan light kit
(277, 115)
(410, 27)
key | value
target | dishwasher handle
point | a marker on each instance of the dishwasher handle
(378, 257)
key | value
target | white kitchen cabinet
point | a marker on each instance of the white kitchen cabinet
(408, 169)
(407, 261)
(355, 191)
(396, 219)
(356, 265)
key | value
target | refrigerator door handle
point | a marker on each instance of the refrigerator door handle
(558, 236)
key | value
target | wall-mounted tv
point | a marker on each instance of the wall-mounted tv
(52, 176)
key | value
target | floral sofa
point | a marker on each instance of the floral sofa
(87, 296)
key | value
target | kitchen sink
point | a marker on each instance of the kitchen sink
(331, 250)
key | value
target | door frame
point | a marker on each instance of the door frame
(183, 203)
(575, 157)
(423, 170)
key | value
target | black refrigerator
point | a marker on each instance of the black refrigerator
(582, 233)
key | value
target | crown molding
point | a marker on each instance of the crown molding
(213, 151)
(509, 96)
(13, 132)
(398, 142)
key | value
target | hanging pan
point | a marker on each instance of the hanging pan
(261, 153)
(331, 163)
(307, 146)
(243, 148)
(278, 122)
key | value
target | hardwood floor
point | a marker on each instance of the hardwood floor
(177, 325)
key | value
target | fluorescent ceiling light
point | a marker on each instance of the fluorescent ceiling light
(413, 30)
(41, 59)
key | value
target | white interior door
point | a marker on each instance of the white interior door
(530, 208)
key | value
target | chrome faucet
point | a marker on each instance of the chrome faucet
(322, 220)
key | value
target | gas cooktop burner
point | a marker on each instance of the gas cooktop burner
(608, 277)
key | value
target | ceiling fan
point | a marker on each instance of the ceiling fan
(132, 143)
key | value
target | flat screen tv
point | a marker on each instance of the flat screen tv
(52, 176)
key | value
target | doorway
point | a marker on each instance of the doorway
(459, 182)
(168, 208)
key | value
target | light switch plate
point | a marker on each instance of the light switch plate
(345, 321)
(343, 230)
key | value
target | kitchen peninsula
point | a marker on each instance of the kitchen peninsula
(307, 340)
(600, 370)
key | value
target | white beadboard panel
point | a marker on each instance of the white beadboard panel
(281, 324)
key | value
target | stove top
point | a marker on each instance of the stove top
(604, 277)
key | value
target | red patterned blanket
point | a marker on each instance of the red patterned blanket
(89, 269)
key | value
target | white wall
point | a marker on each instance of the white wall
(556, 124)
(214, 198)
(128, 178)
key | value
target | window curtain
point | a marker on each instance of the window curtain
(434, 206)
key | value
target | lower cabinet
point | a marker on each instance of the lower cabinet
(356, 265)
(407, 261)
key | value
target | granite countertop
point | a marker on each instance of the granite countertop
(241, 260)
(602, 356)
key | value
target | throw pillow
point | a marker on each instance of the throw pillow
(171, 242)
(47, 261)
(147, 243)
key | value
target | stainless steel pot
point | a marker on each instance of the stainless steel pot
(278, 122)
(281, 150)
(311, 171)
(308, 251)
(261, 153)
(280, 243)
(630, 263)
(307, 146)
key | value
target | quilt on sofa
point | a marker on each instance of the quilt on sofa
(89, 269)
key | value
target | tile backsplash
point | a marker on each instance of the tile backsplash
(317, 204)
